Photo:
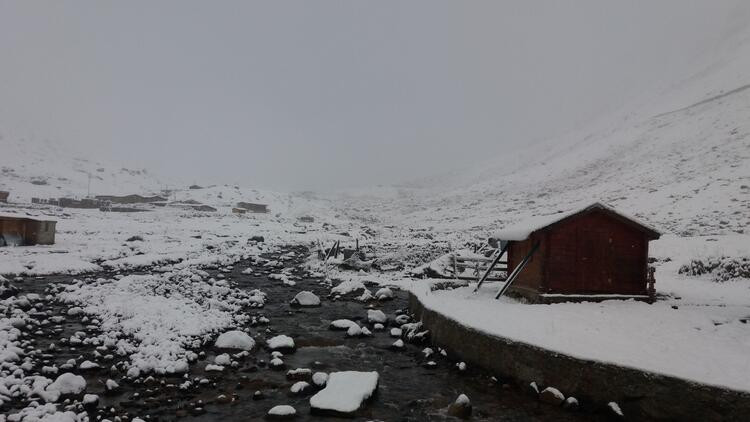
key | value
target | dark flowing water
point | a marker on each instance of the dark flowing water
(408, 390)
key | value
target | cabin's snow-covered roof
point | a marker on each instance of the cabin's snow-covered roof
(25, 216)
(522, 230)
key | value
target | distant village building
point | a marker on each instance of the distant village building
(594, 253)
(41, 201)
(86, 203)
(204, 208)
(306, 219)
(256, 208)
(239, 210)
(130, 199)
(4, 196)
(26, 231)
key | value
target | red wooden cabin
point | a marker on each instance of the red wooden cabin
(594, 253)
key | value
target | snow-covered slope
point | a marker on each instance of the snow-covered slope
(678, 158)
(45, 169)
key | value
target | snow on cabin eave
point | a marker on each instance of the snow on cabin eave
(523, 230)
(26, 216)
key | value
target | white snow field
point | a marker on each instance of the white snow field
(678, 159)
(155, 318)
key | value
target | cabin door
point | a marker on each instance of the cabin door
(595, 253)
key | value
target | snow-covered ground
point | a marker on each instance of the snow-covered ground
(678, 159)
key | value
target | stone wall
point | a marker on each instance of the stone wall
(641, 395)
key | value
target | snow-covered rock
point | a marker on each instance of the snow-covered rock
(299, 374)
(342, 324)
(299, 387)
(347, 286)
(320, 379)
(111, 385)
(223, 359)
(235, 340)
(571, 403)
(461, 408)
(276, 363)
(90, 400)
(87, 364)
(283, 411)
(68, 383)
(354, 331)
(384, 294)
(280, 342)
(552, 395)
(376, 316)
(345, 393)
(615, 410)
(306, 298)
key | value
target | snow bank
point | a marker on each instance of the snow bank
(155, 319)
(659, 338)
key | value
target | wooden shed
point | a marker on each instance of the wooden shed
(594, 253)
(26, 231)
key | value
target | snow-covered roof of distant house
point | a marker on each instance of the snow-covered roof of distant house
(522, 230)
(24, 216)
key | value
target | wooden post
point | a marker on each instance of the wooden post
(491, 266)
(517, 271)
(651, 280)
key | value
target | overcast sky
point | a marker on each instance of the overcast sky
(320, 94)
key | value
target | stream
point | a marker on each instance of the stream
(409, 388)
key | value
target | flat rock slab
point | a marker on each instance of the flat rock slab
(345, 393)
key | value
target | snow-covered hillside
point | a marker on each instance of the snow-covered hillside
(678, 157)
(45, 169)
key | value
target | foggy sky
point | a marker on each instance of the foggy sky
(325, 94)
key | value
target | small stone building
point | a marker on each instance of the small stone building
(26, 231)
(4, 196)
(594, 253)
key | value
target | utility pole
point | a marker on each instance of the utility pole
(88, 195)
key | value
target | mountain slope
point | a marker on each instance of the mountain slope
(679, 158)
